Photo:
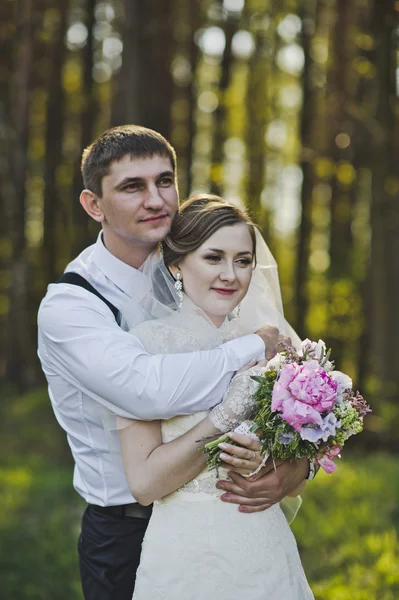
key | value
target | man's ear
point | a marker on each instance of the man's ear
(92, 206)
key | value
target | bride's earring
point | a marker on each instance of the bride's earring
(239, 311)
(179, 289)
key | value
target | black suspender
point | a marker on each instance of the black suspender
(75, 279)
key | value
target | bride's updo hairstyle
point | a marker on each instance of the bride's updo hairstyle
(200, 217)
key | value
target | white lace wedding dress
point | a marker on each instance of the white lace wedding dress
(197, 547)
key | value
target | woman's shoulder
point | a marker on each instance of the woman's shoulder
(153, 326)
(162, 336)
(169, 321)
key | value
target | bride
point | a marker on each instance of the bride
(196, 546)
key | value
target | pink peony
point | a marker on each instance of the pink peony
(302, 393)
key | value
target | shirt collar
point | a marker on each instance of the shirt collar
(121, 274)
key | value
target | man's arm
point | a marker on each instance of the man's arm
(80, 341)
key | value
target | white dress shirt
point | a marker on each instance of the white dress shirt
(90, 363)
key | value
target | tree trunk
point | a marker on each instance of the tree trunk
(6, 180)
(257, 101)
(384, 265)
(53, 147)
(341, 91)
(308, 16)
(220, 114)
(338, 92)
(81, 235)
(19, 366)
(195, 19)
(184, 71)
(145, 85)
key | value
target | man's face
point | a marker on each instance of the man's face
(139, 200)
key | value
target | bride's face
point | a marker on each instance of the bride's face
(217, 275)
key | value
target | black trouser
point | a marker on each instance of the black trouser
(109, 554)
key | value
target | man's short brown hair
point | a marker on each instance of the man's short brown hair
(114, 144)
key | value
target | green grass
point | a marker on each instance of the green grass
(39, 520)
(38, 534)
(346, 528)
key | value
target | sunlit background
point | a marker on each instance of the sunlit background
(289, 107)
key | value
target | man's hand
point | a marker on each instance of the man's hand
(266, 490)
(270, 336)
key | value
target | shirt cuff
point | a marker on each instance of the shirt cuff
(244, 349)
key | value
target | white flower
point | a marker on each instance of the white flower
(306, 344)
(328, 366)
(317, 350)
(276, 363)
(344, 383)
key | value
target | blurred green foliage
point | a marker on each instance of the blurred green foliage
(346, 528)
(39, 521)
(38, 534)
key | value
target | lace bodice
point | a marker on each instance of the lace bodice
(186, 331)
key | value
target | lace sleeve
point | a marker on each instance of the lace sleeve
(238, 402)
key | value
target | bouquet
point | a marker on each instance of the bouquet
(303, 408)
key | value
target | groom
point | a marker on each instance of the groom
(91, 363)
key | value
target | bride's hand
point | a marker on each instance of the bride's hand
(246, 367)
(238, 402)
(253, 363)
(243, 459)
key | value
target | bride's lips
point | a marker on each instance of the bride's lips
(224, 291)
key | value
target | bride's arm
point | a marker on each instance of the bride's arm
(154, 469)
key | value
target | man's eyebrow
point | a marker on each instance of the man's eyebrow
(129, 180)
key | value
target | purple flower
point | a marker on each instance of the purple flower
(360, 404)
(315, 433)
(302, 392)
(285, 438)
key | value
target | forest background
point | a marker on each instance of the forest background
(289, 106)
